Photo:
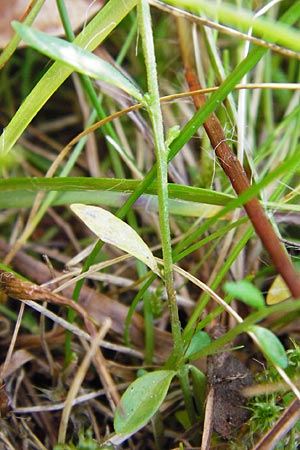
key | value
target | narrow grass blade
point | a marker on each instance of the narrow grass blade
(241, 18)
(77, 58)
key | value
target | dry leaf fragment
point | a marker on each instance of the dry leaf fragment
(48, 19)
(19, 358)
(278, 291)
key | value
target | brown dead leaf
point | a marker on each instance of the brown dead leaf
(48, 19)
(19, 358)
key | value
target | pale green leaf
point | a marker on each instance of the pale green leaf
(112, 230)
(76, 57)
(271, 345)
(141, 400)
(246, 292)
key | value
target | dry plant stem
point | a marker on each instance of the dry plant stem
(97, 305)
(238, 178)
(12, 342)
(223, 29)
(37, 443)
(78, 381)
(5, 440)
(208, 421)
(19, 289)
(101, 366)
(23, 290)
(256, 390)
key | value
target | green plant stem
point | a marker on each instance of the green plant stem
(90, 91)
(162, 166)
(94, 33)
(197, 120)
(88, 87)
(285, 307)
(155, 114)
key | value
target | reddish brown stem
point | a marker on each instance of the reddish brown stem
(238, 178)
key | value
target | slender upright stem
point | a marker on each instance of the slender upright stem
(162, 188)
(155, 114)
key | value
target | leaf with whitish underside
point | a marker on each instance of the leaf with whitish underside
(141, 400)
(271, 345)
(79, 59)
(112, 230)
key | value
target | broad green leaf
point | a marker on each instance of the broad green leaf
(112, 230)
(246, 292)
(141, 400)
(76, 57)
(271, 345)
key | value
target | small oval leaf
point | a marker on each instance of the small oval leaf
(141, 400)
(112, 230)
(79, 59)
(246, 292)
(271, 345)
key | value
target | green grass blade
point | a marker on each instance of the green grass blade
(77, 58)
(242, 19)
(92, 35)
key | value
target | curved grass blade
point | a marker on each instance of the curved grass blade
(76, 57)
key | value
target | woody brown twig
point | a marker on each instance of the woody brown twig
(235, 172)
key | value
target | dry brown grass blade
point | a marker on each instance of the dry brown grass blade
(23, 290)
(97, 305)
(90, 355)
